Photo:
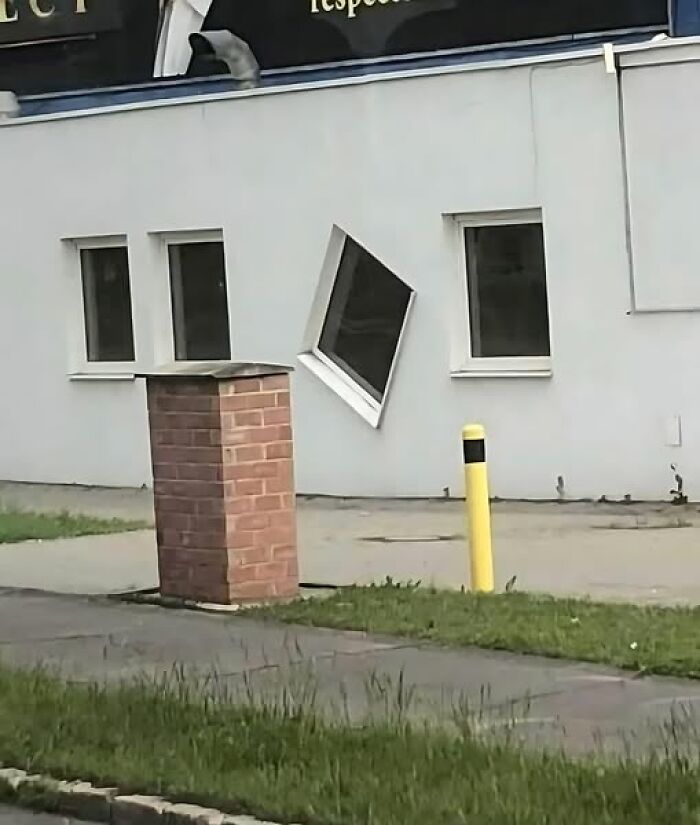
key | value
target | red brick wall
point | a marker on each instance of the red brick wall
(224, 487)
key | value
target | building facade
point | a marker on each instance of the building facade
(508, 237)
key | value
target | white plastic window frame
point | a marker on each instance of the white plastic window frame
(164, 320)
(464, 364)
(325, 369)
(80, 368)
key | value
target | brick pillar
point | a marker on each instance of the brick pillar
(224, 486)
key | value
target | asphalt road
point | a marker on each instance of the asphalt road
(13, 816)
(579, 706)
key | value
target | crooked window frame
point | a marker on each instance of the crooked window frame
(326, 369)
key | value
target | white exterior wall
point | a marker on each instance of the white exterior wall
(386, 161)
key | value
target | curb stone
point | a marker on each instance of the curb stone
(85, 801)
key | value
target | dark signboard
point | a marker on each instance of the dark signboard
(48, 45)
(298, 32)
(112, 43)
(23, 21)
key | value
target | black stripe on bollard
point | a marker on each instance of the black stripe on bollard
(474, 451)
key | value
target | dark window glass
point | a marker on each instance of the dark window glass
(364, 320)
(109, 332)
(507, 291)
(200, 303)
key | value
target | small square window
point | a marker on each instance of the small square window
(506, 287)
(199, 301)
(363, 310)
(109, 335)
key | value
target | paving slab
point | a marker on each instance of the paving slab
(118, 563)
(580, 707)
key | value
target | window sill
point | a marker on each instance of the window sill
(342, 387)
(544, 373)
(102, 376)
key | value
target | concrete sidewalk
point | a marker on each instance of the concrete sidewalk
(645, 553)
(91, 565)
(14, 816)
(578, 706)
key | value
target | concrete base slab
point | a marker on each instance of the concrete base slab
(637, 552)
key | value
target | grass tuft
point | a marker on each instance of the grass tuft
(21, 525)
(284, 763)
(648, 639)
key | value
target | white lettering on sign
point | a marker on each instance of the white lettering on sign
(9, 13)
(350, 7)
(38, 11)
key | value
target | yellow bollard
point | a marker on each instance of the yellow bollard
(478, 509)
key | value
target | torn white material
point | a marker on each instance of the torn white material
(179, 19)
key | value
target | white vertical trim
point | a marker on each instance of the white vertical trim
(90, 323)
(177, 301)
(322, 296)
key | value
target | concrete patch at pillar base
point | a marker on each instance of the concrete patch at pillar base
(155, 599)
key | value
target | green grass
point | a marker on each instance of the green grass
(21, 525)
(282, 762)
(650, 639)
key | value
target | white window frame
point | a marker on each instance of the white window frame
(80, 368)
(164, 321)
(323, 367)
(464, 364)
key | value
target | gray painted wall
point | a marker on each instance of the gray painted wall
(386, 161)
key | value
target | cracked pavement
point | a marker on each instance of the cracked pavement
(545, 702)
